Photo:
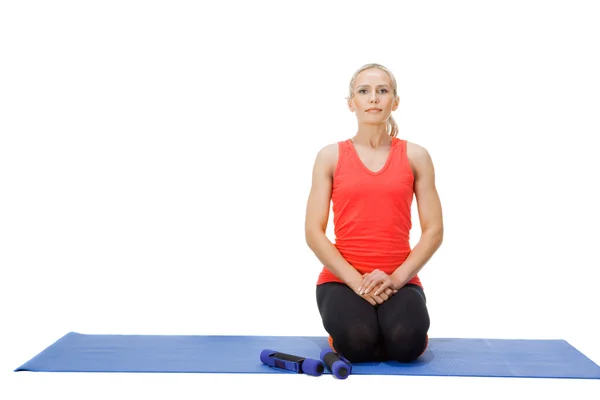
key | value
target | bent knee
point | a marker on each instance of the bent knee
(406, 344)
(357, 343)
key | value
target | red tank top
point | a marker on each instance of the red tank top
(372, 211)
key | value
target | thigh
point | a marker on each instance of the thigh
(341, 308)
(408, 308)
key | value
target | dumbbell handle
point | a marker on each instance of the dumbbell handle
(292, 362)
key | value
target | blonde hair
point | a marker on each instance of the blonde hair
(392, 126)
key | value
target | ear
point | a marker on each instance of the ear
(350, 106)
(396, 103)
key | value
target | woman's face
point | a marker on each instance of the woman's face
(373, 90)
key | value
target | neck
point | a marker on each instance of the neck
(372, 135)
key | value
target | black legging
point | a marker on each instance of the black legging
(394, 330)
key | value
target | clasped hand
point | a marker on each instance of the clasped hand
(376, 287)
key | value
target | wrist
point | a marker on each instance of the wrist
(398, 281)
(353, 280)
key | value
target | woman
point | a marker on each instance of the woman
(369, 294)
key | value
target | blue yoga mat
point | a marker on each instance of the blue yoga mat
(76, 352)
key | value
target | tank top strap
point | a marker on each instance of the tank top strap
(343, 153)
(344, 145)
(402, 149)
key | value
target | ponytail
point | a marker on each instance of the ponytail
(392, 126)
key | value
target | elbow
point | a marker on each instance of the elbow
(439, 236)
(312, 236)
(435, 234)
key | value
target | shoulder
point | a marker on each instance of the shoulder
(327, 156)
(419, 157)
(416, 151)
(329, 150)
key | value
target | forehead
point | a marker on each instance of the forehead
(372, 77)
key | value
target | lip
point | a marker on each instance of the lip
(373, 109)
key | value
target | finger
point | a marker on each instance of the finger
(370, 300)
(362, 284)
(366, 297)
(365, 285)
(383, 287)
(384, 296)
(373, 283)
(378, 299)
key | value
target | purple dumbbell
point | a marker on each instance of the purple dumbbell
(338, 365)
(289, 362)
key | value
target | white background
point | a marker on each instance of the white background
(155, 161)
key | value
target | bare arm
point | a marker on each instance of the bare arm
(430, 217)
(317, 216)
